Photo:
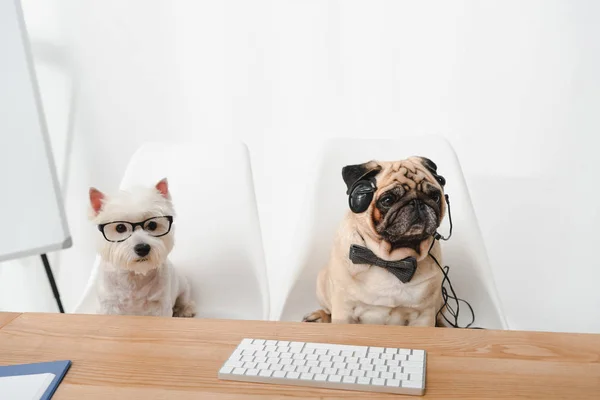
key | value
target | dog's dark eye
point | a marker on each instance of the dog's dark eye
(151, 226)
(121, 228)
(387, 200)
(435, 197)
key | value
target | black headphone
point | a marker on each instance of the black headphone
(362, 185)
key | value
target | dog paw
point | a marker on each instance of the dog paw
(319, 316)
(184, 310)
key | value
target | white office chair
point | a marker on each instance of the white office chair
(327, 202)
(218, 242)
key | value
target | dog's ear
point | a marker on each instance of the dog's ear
(354, 173)
(96, 198)
(163, 188)
(432, 168)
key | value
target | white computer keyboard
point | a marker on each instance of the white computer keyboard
(335, 366)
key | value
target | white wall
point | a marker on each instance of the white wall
(513, 85)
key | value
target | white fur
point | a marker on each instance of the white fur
(128, 284)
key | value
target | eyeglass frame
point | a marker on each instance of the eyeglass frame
(135, 225)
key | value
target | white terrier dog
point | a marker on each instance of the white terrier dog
(135, 277)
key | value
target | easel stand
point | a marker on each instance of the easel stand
(52, 282)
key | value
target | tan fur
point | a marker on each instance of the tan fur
(360, 293)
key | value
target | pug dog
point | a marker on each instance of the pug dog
(380, 271)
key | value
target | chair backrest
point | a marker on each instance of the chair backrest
(327, 203)
(218, 242)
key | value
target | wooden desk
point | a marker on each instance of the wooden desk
(162, 358)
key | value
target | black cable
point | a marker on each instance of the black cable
(445, 295)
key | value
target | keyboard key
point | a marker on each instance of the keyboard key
(289, 368)
(326, 364)
(271, 348)
(226, 370)
(312, 357)
(252, 372)
(364, 381)
(312, 363)
(339, 365)
(299, 362)
(381, 368)
(262, 366)
(391, 351)
(412, 364)
(378, 362)
(418, 353)
(278, 374)
(321, 352)
(249, 365)
(344, 372)
(367, 367)
(392, 382)
(346, 353)
(299, 356)
(387, 375)
(324, 358)
(271, 342)
(316, 370)
(285, 361)
(416, 377)
(335, 378)
(285, 355)
(260, 359)
(412, 384)
(378, 381)
(400, 357)
(265, 372)
(412, 370)
(372, 374)
(349, 379)
(275, 367)
(302, 370)
(400, 376)
(331, 371)
(307, 376)
(320, 377)
(404, 351)
(234, 364)
(357, 372)
(416, 357)
(239, 371)
(353, 366)
(247, 358)
(283, 343)
(392, 363)
(292, 375)
(338, 359)
(376, 349)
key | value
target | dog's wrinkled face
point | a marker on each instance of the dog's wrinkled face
(141, 251)
(407, 206)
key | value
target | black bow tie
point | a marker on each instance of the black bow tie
(403, 269)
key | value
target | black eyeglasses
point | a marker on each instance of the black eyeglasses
(119, 231)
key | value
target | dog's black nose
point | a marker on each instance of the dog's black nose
(142, 249)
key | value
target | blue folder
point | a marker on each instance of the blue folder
(58, 368)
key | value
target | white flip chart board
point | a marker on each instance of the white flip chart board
(32, 217)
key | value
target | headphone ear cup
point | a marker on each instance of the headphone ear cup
(361, 196)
